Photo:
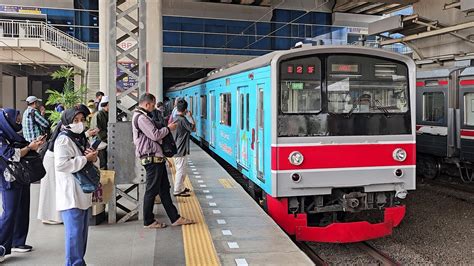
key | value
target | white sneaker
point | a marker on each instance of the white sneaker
(22, 249)
(2, 253)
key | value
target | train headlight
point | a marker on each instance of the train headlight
(296, 158)
(399, 155)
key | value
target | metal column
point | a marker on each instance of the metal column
(126, 20)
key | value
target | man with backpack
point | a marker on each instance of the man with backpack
(34, 123)
(150, 149)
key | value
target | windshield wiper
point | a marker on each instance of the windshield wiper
(382, 108)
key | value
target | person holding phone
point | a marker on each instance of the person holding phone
(15, 218)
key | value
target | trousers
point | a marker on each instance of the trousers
(181, 168)
(15, 219)
(157, 183)
(76, 228)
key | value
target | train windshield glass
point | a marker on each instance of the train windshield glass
(300, 86)
(360, 84)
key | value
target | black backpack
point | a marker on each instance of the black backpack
(168, 144)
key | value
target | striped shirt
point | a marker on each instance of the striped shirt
(33, 129)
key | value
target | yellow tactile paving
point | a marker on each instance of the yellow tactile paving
(226, 183)
(198, 246)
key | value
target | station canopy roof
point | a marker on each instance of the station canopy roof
(371, 7)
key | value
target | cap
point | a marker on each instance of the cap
(32, 99)
(105, 99)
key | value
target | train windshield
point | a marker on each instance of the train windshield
(359, 84)
(343, 95)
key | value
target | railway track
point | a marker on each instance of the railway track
(381, 257)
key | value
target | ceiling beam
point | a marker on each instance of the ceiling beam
(431, 33)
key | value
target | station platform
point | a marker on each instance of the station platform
(231, 229)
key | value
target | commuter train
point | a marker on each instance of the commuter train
(445, 122)
(324, 134)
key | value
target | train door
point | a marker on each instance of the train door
(432, 117)
(212, 109)
(260, 133)
(243, 128)
(195, 114)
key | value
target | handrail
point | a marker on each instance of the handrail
(45, 32)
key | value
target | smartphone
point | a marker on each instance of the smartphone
(95, 144)
(42, 137)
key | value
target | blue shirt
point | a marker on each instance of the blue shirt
(33, 129)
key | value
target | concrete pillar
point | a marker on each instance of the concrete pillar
(154, 46)
(21, 92)
(103, 43)
(8, 96)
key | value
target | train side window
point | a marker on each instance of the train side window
(225, 103)
(190, 103)
(469, 109)
(241, 106)
(433, 107)
(248, 112)
(204, 106)
(260, 107)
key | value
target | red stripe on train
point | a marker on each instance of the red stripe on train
(420, 83)
(342, 156)
(468, 133)
(466, 82)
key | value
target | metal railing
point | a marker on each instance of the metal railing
(45, 32)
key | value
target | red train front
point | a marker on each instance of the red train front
(343, 142)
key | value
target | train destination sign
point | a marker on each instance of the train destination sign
(352, 68)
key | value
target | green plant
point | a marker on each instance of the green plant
(68, 97)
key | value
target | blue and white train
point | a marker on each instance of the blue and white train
(325, 133)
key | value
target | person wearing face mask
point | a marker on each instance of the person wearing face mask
(71, 201)
(147, 138)
(47, 212)
(14, 221)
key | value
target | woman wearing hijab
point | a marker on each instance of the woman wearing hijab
(71, 201)
(47, 212)
(14, 221)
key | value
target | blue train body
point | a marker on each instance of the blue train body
(235, 150)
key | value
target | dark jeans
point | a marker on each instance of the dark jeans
(15, 220)
(103, 159)
(157, 183)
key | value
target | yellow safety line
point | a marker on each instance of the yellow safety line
(198, 246)
(226, 183)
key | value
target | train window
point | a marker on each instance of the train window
(433, 107)
(300, 85)
(248, 112)
(225, 103)
(204, 106)
(260, 107)
(469, 109)
(241, 106)
(190, 103)
(384, 90)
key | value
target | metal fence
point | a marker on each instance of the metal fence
(41, 30)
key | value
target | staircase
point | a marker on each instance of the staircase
(13, 33)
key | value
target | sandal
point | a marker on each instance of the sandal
(182, 194)
(186, 190)
(183, 221)
(155, 225)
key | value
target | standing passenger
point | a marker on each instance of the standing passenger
(183, 131)
(72, 202)
(147, 139)
(34, 123)
(15, 219)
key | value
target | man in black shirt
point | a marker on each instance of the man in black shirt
(183, 131)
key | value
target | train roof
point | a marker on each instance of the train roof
(266, 60)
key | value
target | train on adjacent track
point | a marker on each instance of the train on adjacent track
(324, 134)
(445, 122)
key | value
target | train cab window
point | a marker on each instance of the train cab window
(204, 106)
(361, 84)
(225, 104)
(300, 85)
(469, 109)
(433, 107)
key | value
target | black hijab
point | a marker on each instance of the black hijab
(8, 125)
(67, 118)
